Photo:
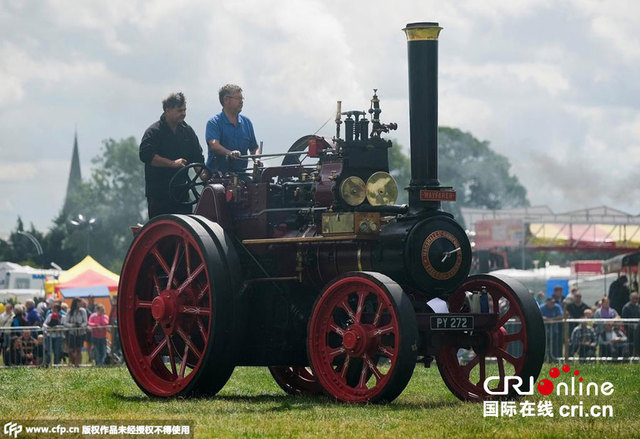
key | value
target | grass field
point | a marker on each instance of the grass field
(251, 405)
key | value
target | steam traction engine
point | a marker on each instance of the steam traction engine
(312, 270)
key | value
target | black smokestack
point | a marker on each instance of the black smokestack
(422, 44)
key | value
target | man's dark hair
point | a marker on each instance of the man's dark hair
(174, 100)
(227, 90)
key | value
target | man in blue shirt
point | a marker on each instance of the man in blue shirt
(552, 314)
(33, 316)
(229, 134)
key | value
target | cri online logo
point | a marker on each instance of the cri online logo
(546, 386)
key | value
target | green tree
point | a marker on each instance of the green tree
(21, 248)
(56, 247)
(6, 251)
(479, 175)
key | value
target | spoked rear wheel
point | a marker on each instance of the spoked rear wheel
(363, 338)
(296, 380)
(175, 297)
(301, 145)
(514, 347)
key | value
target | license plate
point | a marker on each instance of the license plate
(456, 323)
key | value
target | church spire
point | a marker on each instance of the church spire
(75, 177)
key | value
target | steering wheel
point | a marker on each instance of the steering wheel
(187, 184)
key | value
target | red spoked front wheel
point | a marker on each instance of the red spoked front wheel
(514, 347)
(362, 338)
(174, 296)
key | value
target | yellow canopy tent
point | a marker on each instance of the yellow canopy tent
(88, 279)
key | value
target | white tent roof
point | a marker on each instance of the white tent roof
(20, 295)
(10, 266)
(550, 272)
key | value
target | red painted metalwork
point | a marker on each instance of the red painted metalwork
(325, 189)
(316, 145)
(296, 380)
(464, 360)
(168, 309)
(360, 338)
(437, 195)
(214, 205)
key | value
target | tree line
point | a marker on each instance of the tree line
(114, 196)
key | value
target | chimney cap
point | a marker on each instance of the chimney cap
(422, 24)
(422, 31)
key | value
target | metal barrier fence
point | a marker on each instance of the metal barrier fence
(615, 340)
(59, 346)
(566, 340)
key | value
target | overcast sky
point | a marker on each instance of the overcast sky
(552, 85)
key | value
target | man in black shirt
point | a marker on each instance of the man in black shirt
(632, 311)
(576, 308)
(619, 293)
(167, 146)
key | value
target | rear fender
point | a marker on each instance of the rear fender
(213, 205)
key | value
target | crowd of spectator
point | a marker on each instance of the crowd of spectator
(585, 339)
(54, 332)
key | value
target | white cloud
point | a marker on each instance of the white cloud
(465, 112)
(300, 56)
(46, 185)
(102, 17)
(551, 86)
(11, 90)
(625, 42)
(13, 172)
(6, 205)
(497, 10)
(615, 23)
(543, 77)
(631, 128)
(19, 67)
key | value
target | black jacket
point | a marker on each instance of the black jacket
(160, 139)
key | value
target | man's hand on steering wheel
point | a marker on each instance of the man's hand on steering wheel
(179, 163)
(204, 172)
